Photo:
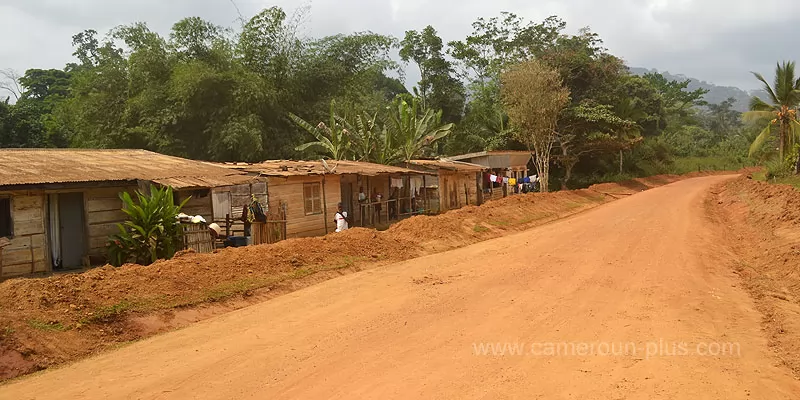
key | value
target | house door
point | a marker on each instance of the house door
(347, 198)
(69, 226)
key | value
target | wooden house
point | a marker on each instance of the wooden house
(59, 206)
(307, 193)
(455, 184)
(501, 163)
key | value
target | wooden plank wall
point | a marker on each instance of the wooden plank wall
(290, 191)
(27, 250)
(199, 204)
(103, 213)
(450, 182)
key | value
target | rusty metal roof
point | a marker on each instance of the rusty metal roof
(450, 165)
(300, 168)
(49, 166)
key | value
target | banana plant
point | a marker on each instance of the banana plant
(332, 140)
(415, 130)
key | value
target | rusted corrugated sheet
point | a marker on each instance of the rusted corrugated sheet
(204, 182)
(50, 166)
(300, 168)
(450, 165)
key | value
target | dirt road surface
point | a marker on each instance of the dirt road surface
(571, 296)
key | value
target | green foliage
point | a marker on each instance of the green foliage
(258, 91)
(784, 98)
(52, 326)
(414, 130)
(439, 89)
(152, 231)
(332, 140)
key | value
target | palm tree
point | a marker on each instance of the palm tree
(785, 97)
(414, 131)
(333, 139)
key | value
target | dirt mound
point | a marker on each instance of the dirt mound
(64, 317)
(760, 221)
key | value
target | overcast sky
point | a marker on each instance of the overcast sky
(718, 41)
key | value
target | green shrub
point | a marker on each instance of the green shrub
(152, 230)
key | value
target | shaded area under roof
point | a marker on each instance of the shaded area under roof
(447, 164)
(52, 166)
(287, 168)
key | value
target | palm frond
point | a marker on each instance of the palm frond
(756, 104)
(784, 82)
(755, 116)
(767, 87)
(760, 139)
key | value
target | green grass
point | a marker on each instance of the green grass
(793, 180)
(47, 326)
(108, 313)
(695, 164)
(480, 228)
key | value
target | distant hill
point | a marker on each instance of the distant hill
(716, 94)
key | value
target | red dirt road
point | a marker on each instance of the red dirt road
(647, 270)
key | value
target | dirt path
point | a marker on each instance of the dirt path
(646, 270)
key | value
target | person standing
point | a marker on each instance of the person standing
(341, 219)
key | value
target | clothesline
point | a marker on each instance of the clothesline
(513, 181)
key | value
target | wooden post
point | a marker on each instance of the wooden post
(324, 204)
(425, 201)
(369, 201)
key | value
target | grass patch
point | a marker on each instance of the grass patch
(478, 228)
(500, 223)
(793, 180)
(695, 164)
(108, 313)
(8, 331)
(46, 326)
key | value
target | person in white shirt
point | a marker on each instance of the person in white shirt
(341, 219)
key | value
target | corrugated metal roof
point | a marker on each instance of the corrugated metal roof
(452, 165)
(43, 166)
(301, 168)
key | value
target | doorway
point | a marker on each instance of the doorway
(67, 230)
(347, 198)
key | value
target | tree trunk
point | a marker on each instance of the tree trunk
(797, 165)
(567, 175)
(620, 162)
(782, 139)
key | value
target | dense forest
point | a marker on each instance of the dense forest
(260, 91)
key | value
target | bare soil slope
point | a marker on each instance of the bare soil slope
(648, 269)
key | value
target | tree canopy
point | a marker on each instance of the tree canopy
(261, 90)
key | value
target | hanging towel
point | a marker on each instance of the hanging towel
(512, 181)
(526, 180)
(493, 178)
(505, 180)
(397, 182)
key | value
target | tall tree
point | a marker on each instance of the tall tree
(534, 96)
(439, 88)
(784, 96)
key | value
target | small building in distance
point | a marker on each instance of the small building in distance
(307, 193)
(58, 207)
(455, 184)
(501, 163)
